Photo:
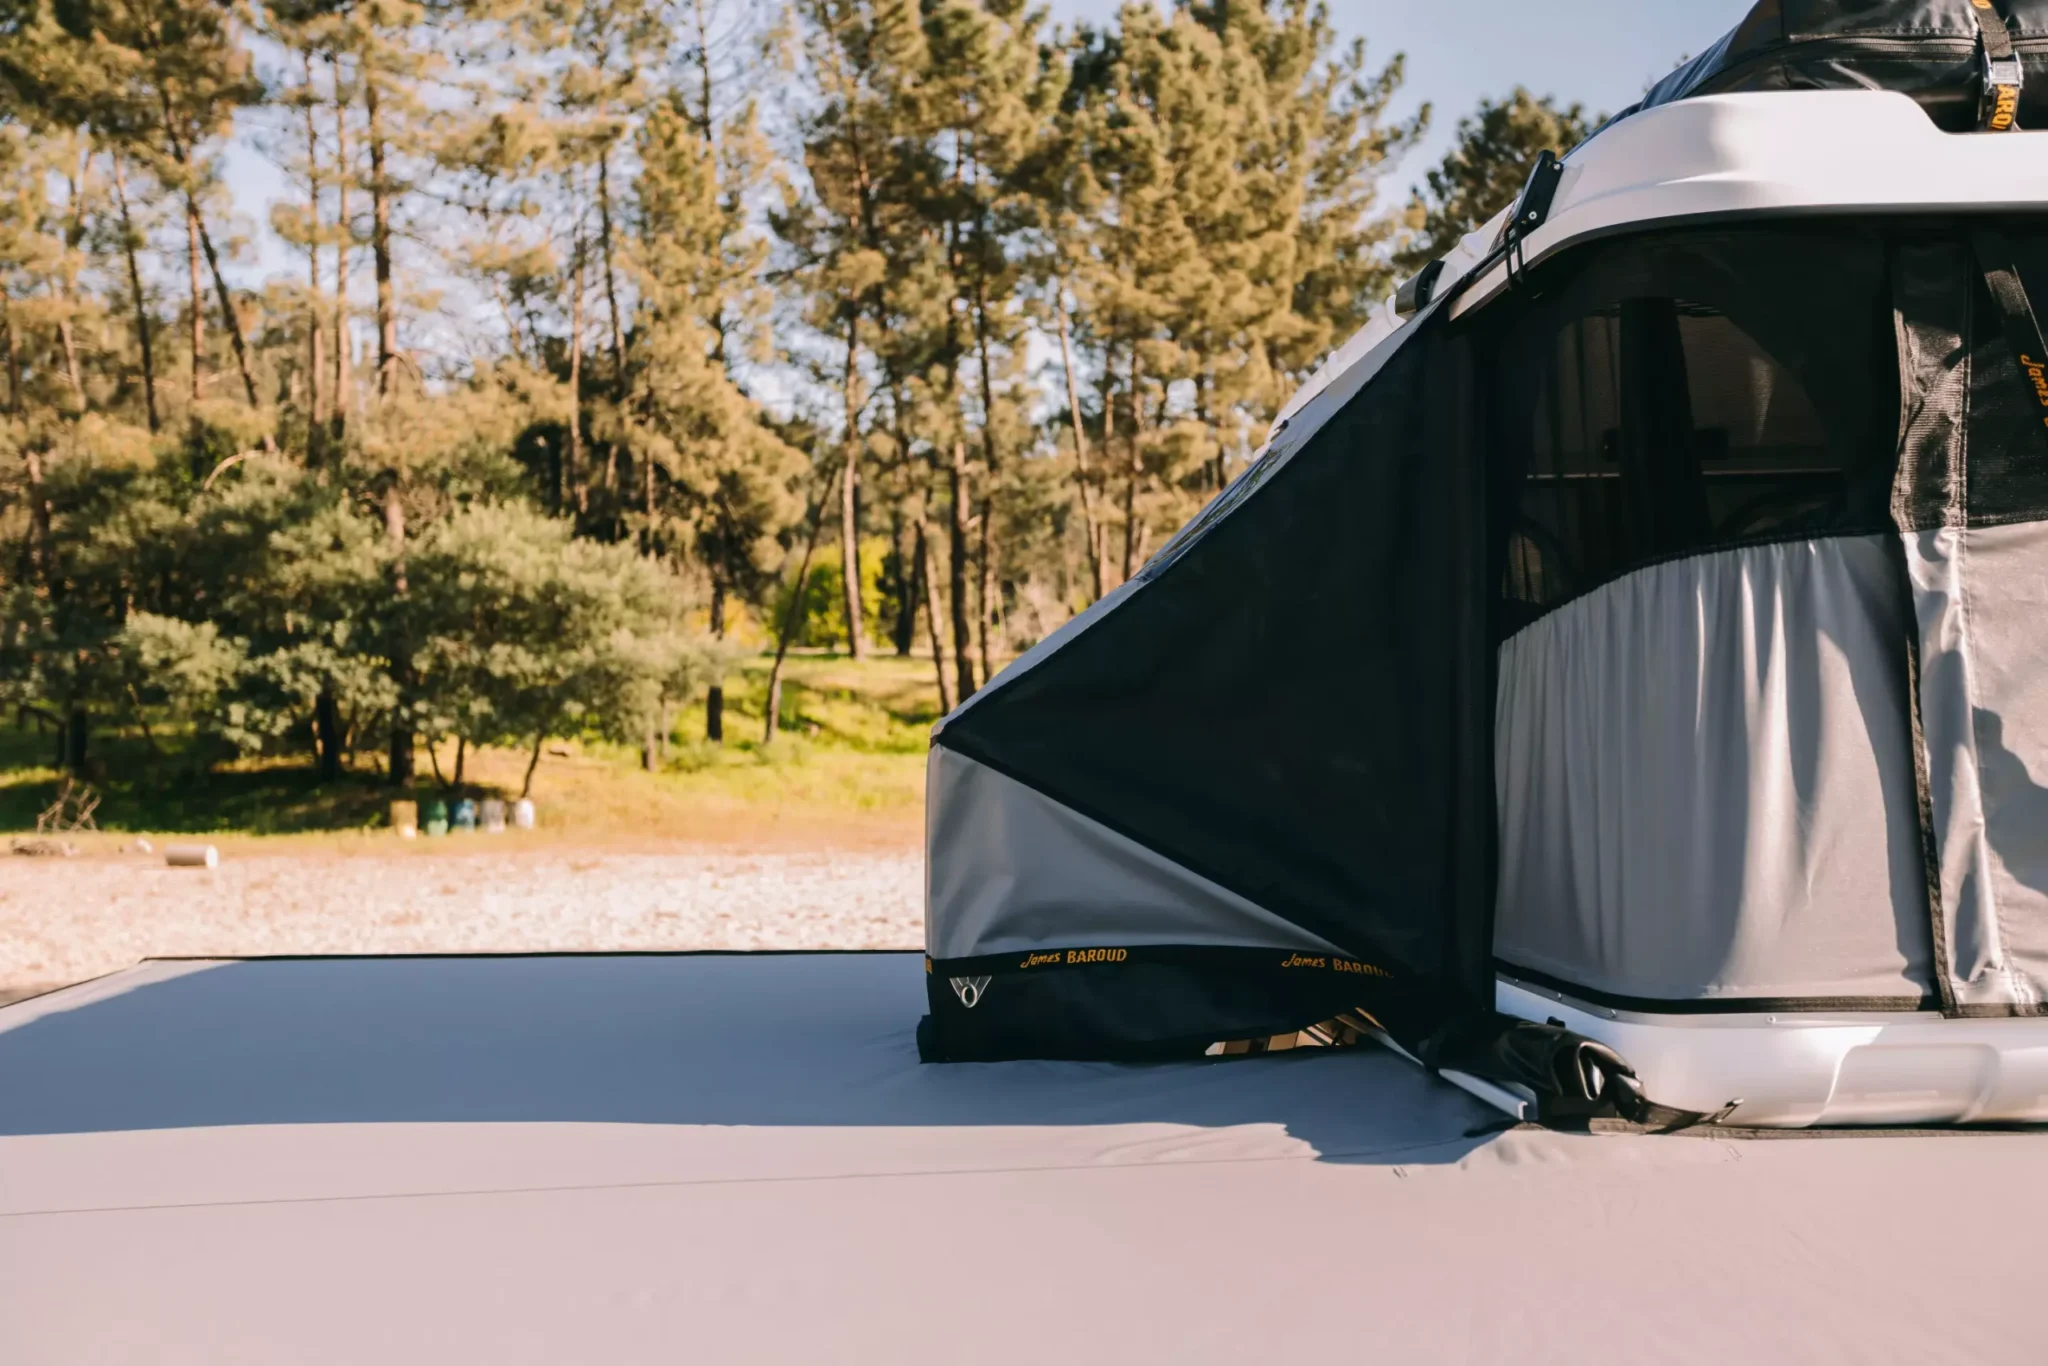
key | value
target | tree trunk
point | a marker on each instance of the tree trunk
(1132, 476)
(344, 347)
(142, 335)
(327, 735)
(956, 567)
(532, 762)
(400, 766)
(932, 612)
(380, 244)
(67, 336)
(198, 338)
(76, 731)
(647, 504)
(604, 251)
(13, 364)
(789, 621)
(228, 318)
(703, 71)
(461, 757)
(714, 696)
(1081, 478)
(316, 358)
(984, 597)
(576, 479)
(903, 631)
(42, 550)
(849, 512)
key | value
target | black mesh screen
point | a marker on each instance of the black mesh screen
(1299, 706)
(1691, 390)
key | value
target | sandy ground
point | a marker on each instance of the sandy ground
(64, 920)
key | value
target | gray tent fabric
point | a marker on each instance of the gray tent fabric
(1006, 865)
(1971, 501)
(1706, 787)
(544, 1160)
(1981, 597)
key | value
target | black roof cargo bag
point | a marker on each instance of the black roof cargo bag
(1932, 50)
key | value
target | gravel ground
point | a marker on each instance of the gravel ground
(64, 920)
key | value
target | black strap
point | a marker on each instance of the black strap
(1578, 1083)
(2003, 75)
(2022, 328)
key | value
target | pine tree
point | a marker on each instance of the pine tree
(727, 479)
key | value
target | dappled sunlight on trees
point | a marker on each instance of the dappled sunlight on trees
(608, 315)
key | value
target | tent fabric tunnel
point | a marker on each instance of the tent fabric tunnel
(1666, 660)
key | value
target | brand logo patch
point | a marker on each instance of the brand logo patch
(1332, 964)
(2005, 108)
(968, 989)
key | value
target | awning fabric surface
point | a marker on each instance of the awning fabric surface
(739, 1159)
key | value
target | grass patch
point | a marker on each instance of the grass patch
(847, 768)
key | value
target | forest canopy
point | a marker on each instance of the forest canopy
(598, 340)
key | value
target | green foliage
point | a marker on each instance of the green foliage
(821, 619)
(1497, 145)
(593, 302)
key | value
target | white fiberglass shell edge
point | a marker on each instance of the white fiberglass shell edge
(1797, 1070)
(1760, 153)
(1777, 153)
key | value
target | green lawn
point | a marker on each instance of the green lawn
(849, 766)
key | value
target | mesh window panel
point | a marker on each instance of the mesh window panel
(1690, 391)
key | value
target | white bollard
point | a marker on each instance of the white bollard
(192, 856)
(522, 814)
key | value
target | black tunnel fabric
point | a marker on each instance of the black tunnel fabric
(1298, 706)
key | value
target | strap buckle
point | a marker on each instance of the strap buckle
(2005, 77)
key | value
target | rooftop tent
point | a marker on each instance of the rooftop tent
(1622, 656)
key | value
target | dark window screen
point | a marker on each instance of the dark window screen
(1671, 394)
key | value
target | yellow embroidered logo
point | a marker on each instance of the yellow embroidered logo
(1038, 960)
(1351, 965)
(1097, 955)
(2037, 375)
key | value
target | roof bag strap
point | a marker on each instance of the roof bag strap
(1999, 110)
(2022, 328)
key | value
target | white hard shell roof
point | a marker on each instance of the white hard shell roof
(1767, 153)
